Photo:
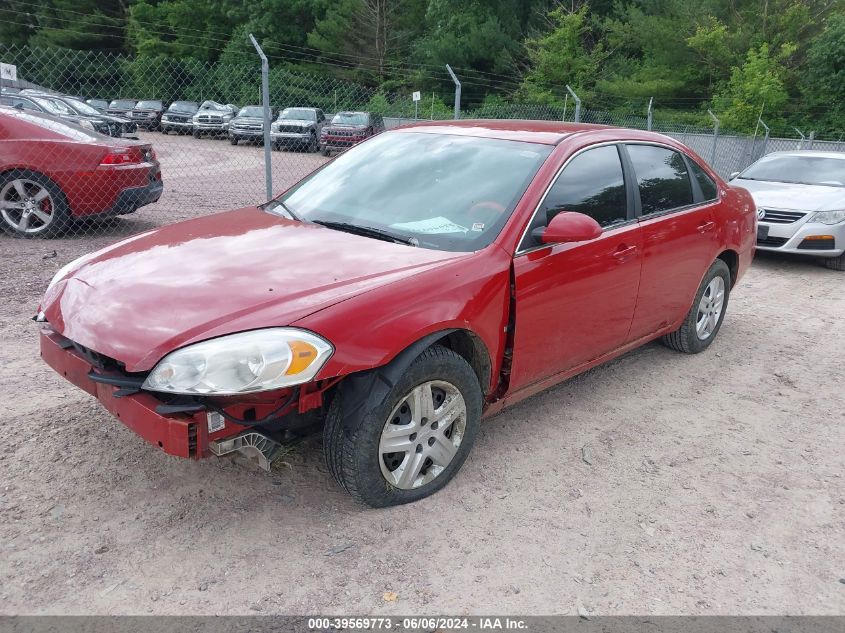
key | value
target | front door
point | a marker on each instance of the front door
(575, 302)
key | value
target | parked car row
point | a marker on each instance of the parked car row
(71, 110)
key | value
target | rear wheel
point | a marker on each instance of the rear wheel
(233, 140)
(408, 443)
(834, 263)
(326, 151)
(704, 319)
(32, 205)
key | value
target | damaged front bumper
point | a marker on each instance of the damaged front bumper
(186, 430)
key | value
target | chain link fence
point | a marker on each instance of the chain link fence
(200, 127)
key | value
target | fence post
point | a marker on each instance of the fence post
(812, 138)
(648, 122)
(265, 99)
(577, 104)
(565, 104)
(457, 92)
(801, 134)
(765, 138)
(715, 138)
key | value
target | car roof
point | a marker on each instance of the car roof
(807, 152)
(544, 132)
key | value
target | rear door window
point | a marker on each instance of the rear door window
(662, 178)
(705, 182)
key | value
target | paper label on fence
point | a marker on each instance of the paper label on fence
(432, 226)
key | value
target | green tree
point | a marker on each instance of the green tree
(756, 86)
(823, 83)
(561, 57)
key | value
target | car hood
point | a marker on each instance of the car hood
(145, 296)
(302, 122)
(335, 126)
(780, 195)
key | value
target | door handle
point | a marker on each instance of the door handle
(704, 227)
(623, 252)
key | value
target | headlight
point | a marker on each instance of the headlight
(87, 125)
(195, 118)
(247, 362)
(165, 117)
(829, 217)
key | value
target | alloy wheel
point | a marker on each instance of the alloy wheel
(422, 434)
(27, 206)
(710, 308)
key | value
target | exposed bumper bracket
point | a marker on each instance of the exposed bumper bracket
(255, 446)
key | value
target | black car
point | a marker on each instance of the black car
(121, 107)
(118, 126)
(179, 117)
(52, 105)
(147, 114)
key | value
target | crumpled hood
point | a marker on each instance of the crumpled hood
(145, 296)
(778, 195)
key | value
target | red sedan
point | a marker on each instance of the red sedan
(425, 279)
(52, 172)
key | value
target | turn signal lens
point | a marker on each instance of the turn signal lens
(819, 237)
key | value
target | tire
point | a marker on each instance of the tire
(32, 205)
(698, 329)
(313, 146)
(164, 131)
(196, 134)
(352, 440)
(834, 263)
(233, 140)
(276, 147)
(326, 151)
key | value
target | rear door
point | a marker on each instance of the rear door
(575, 302)
(676, 202)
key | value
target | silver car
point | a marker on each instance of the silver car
(800, 198)
(298, 127)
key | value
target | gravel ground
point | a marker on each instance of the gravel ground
(657, 484)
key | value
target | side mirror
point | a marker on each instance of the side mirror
(733, 175)
(568, 226)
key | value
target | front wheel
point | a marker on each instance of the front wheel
(704, 319)
(233, 140)
(407, 444)
(834, 263)
(326, 151)
(196, 134)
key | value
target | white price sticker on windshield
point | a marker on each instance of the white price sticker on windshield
(431, 226)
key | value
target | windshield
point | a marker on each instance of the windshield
(81, 107)
(183, 106)
(800, 170)
(98, 103)
(350, 118)
(212, 105)
(149, 105)
(251, 111)
(122, 104)
(298, 114)
(440, 191)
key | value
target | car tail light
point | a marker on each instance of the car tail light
(124, 156)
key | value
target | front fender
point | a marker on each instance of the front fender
(372, 329)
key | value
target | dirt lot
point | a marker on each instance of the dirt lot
(711, 484)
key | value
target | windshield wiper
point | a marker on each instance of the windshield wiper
(287, 210)
(367, 231)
